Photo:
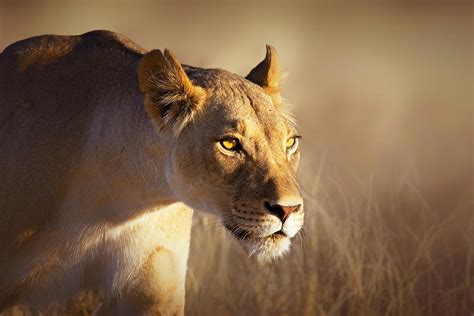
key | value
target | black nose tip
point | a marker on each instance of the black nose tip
(282, 212)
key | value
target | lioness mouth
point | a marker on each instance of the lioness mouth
(242, 234)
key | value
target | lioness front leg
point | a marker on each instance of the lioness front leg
(158, 289)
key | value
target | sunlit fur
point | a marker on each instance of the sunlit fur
(101, 169)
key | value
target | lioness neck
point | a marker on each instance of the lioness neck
(130, 167)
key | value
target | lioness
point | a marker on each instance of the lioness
(105, 150)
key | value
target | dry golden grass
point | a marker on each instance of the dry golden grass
(360, 254)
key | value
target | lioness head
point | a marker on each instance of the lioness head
(230, 147)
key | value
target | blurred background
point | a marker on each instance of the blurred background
(383, 92)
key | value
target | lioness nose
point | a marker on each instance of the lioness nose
(282, 212)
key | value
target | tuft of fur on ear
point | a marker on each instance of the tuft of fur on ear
(171, 99)
(268, 76)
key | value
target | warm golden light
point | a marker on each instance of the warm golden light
(383, 96)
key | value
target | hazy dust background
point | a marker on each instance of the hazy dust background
(384, 97)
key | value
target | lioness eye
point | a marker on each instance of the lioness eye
(290, 142)
(230, 144)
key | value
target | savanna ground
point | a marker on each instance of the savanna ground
(383, 94)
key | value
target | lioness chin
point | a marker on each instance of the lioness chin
(105, 149)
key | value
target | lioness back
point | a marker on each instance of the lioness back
(50, 91)
(42, 124)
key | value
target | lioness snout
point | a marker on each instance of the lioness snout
(281, 211)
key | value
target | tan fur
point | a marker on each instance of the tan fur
(104, 152)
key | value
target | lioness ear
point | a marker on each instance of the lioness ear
(171, 99)
(267, 75)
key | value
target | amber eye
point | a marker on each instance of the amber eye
(230, 144)
(290, 142)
